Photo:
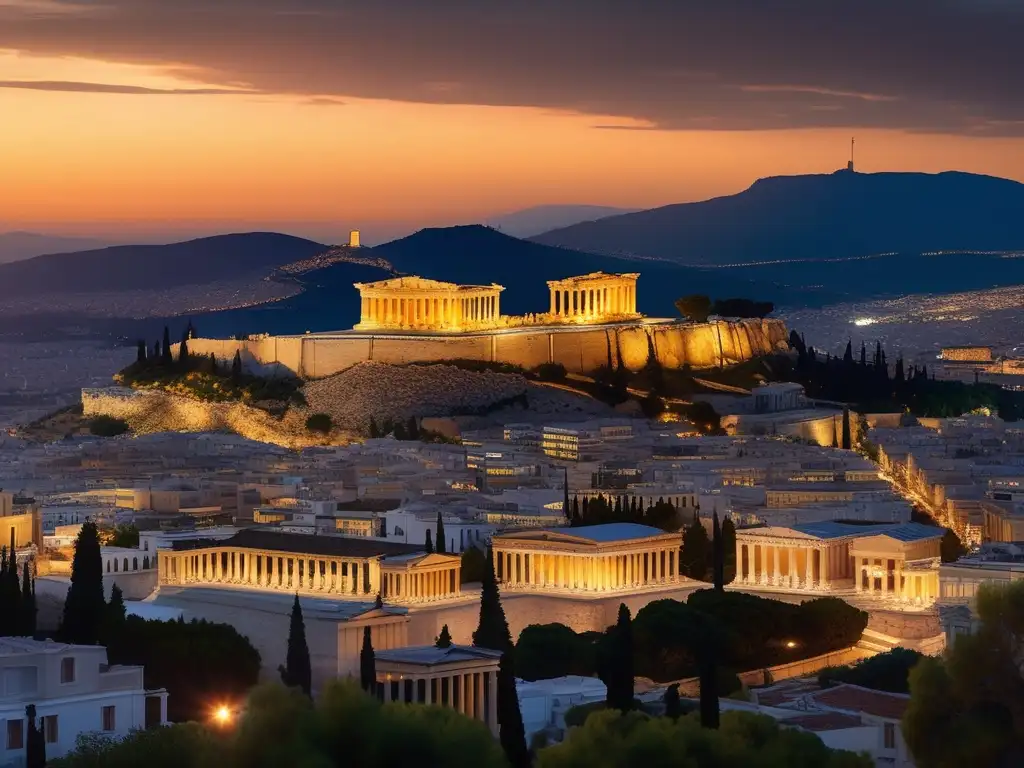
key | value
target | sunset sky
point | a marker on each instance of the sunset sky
(134, 117)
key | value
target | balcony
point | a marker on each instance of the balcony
(119, 678)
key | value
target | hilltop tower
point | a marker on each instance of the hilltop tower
(849, 165)
(353, 238)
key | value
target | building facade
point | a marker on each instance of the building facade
(416, 303)
(592, 558)
(593, 297)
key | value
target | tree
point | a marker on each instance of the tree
(546, 651)
(367, 663)
(951, 548)
(492, 632)
(619, 676)
(847, 441)
(696, 307)
(115, 616)
(236, 366)
(566, 510)
(718, 554)
(696, 552)
(183, 349)
(84, 607)
(729, 545)
(374, 429)
(968, 709)
(166, 357)
(673, 706)
(124, 535)
(297, 671)
(474, 561)
(889, 671)
(107, 426)
(428, 544)
(444, 640)
(442, 545)
(320, 422)
(412, 430)
(35, 741)
(28, 603)
(140, 351)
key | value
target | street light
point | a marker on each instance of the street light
(791, 644)
(223, 715)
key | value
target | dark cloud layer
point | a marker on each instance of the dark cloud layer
(921, 65)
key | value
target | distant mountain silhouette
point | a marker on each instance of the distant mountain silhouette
(543, 218)
(129, 267)
(15, 246)
(838, 215)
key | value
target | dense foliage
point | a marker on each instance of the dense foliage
(122, 535)
(320, 422)
(107, 426)
(473, 562)
(17, 598)
(699, 308)
(545, 651)
(609, 739)
(888, 671)
(603, 509)
(282, 727)
(968, 708)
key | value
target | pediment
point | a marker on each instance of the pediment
(549, 536)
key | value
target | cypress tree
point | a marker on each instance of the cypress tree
(442, 546)
(863, 355)
(374, 429)
(412, 431)
(585, 513)
(444, 640)
(729, 545)
(718, 554)
(297, 671)
(848, 354)
(35, 741)
(565, 503)
(84, 607)
(492, 628)
(696, 550)
(429, 543)
(847, 442)
(576, 519)
(620, 680)
(28, 603)
(183, 349)
(236, 366)
(8, 617)
(673, 706)
(214, 367)
(708, 672)
(140, 351)
(156, 352)
(116, 616)
(368, 664)
(618, 508)
(165, 348)
(899, 370)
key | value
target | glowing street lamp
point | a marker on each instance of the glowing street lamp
(791, 644)
(223, 715)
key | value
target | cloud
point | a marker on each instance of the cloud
(76, 87)
(918, 65)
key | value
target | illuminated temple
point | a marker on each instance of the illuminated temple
(413, 303)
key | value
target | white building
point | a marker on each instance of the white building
(545, 702)
(74, 691)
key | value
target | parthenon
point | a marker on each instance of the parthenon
(416, 303)
(595, 296)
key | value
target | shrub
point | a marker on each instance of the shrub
(888, 671)
(108, 426)
(551, 372)
(320, 422)
(545, 651)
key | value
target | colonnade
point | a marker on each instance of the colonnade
(890, 578)
(414, 586)
(792, 565)
(593, 296)
(521, 568)
(474, 694)
(427, 304)
(271, 570)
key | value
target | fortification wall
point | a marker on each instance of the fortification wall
(579, 349)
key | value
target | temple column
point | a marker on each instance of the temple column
(809, 569)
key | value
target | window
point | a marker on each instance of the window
(50, 729)
(890, 735)
(67, 670)
(15, 734)
(109, 719)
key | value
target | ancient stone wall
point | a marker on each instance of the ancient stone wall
(580, 349)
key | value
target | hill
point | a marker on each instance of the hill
(135, 267)
(543, 218)
(839, 215)
(15, 246)
(481, 255)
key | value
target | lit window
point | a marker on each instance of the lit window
(50, 729)
(109, 720)
(15, 734)
(67, 670)
(890, 735)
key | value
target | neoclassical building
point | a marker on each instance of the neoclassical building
(595, 296)
(593, 558)
(417, 303)
(896, 562)
(335, 566)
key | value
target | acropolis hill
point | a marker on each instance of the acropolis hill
(591, 321)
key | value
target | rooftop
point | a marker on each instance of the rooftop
(854, 698)
(824, 721)
(327, 546)
(609, 532)
(429, 655)
(828, 529)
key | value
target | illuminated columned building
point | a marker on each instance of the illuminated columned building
(593, 558)
(595, 296)
(416, 303)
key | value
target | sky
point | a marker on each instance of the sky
(125, 118)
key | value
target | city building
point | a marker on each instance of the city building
(74, 691)
(959, 582)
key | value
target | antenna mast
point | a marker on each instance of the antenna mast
(849, 165)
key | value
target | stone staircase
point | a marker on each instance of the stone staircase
(876, 642)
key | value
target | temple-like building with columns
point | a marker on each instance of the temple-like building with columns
(416, 303)
(594, 297)
(897, 562)
(335, 566)
(593, 558)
